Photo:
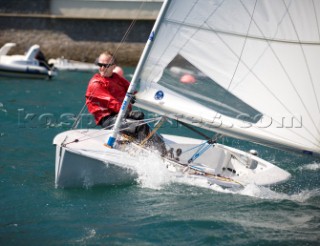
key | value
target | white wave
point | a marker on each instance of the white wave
(90, 233)
(2, 108)
(155, 176)
(266, 193)
(305, 195)
(312, 167)
(152, 172)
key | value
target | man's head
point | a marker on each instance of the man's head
(106, 63)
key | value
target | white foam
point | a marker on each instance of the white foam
(90, 233)
(266, 193)
(153, 174)
(312, 167)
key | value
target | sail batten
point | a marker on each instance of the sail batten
(260, 65)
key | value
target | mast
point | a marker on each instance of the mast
(136, 76)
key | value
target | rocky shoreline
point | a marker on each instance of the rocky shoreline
(58, 44)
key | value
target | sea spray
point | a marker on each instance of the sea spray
(311, 166)
(152, 172)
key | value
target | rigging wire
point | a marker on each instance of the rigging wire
(133, 22)
(102, 131)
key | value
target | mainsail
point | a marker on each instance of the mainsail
(261, 54)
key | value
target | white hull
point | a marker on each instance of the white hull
(76, 170)
(69, 65)
(26, 71)
(83, 160)
(23, 66)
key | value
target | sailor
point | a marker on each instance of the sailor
(105, 93)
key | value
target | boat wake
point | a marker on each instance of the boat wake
(89, 235)
(152, 172)
(154, 175)
(266, 193)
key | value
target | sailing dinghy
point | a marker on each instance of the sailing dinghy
(256, 78)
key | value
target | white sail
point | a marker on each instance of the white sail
(226, 91)
(256, 63)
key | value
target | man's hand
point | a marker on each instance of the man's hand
(133, 99)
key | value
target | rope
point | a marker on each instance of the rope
(159, 123)
(129, 29)
(76, 122)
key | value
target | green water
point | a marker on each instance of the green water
(152, 212)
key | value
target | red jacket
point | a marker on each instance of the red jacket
(104, 95)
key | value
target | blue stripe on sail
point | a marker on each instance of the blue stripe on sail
(151, 37)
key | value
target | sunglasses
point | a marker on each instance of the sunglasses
(107, 65)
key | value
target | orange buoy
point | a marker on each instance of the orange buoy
(188, 79)
(118, 70)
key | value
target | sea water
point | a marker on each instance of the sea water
(157, 210)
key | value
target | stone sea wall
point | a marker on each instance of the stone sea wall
(58, 44)
(25, 23)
